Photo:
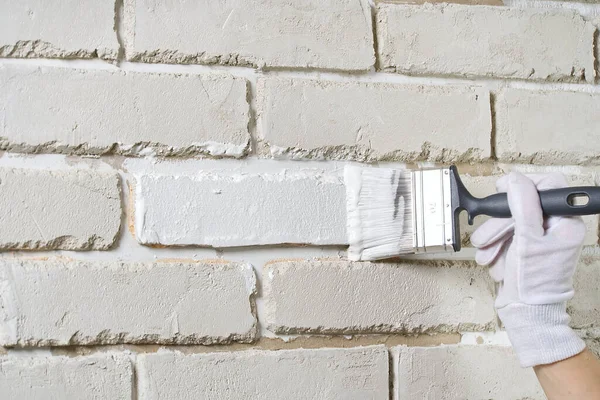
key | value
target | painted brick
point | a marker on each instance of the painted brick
(481, 186)
(60, 302)
(356, 373)
(462, 372)
(547, 127)
(406, 297)
(108, 376)
(228, 209)
(97, 112)
(58, 28)
(301, 118)
(72, 209)
(326, 35)
(485, 41)
(584, 308)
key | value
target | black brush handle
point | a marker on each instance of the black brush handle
(555, 202)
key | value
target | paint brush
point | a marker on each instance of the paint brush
(391, 212)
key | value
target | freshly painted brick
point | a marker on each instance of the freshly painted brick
(264, 33)
(481, 186)
(406, 297)
(107, 376)
(58, 29)
(225, 210)
(462, 372)
(73, 209)
(93, 111)
(549, 127)
(584, 308)
(59, 302)
(485, 41)
(303, 118)
(355, 373)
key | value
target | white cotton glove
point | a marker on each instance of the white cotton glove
(534, 260)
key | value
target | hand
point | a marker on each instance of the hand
(533, 259)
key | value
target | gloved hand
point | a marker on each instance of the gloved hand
(533, 259)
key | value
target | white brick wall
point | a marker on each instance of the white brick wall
(75, 210)
(460, 40)
(172, 203)
(547, 126)
(592, 339)
(58, 29)
(584, 308)
(462, 372)
(316, 119)
(67, 111)
(64, 303)
(358, 373)
(407, 297)
(98, 377)
(335, 35)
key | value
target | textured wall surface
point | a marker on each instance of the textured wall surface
(173, 205)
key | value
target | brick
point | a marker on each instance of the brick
(58, 29)
(592, 339)
(73, 209)
(584, 308)
(333, 35)
(108, 376)
(462, 372)
(547, 127)
(356, 373)
(232, 209)
(302, 118)
(59, 302)
(404, 297)
(594, 346)
(482, 186)
(470, 2)
(485, 41)
(98, 112)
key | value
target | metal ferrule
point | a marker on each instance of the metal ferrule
(432, 212)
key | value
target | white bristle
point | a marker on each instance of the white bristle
(379, 212)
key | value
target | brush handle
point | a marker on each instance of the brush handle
(555, 202)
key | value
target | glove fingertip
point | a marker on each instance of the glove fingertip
(482, 260)
(486, 256)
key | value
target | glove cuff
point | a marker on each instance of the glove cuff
(540, 334)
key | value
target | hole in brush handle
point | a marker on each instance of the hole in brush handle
(578, 199)
(562, 201)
